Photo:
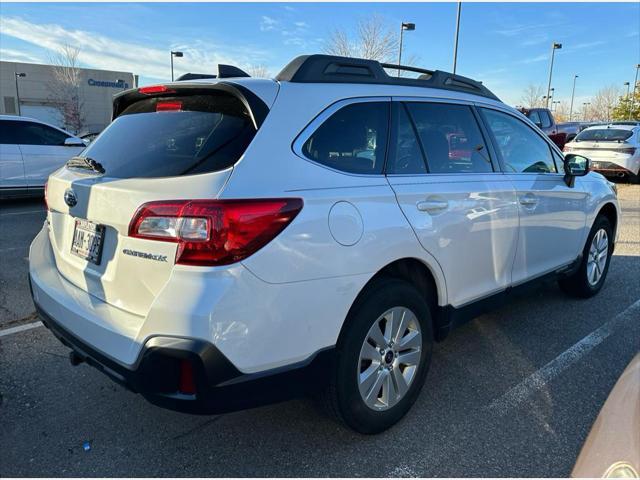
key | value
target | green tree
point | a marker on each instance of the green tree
(628, 107)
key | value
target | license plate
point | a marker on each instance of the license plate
(87, 240)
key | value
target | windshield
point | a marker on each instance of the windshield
(604, 135)
(173, 136)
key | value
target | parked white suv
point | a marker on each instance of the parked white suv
(230, 242)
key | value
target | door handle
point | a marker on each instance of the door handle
(528, 200)
(432, 206)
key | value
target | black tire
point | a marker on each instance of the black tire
(342, 398)
(577, 284)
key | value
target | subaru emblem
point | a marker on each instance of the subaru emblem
(70, 198)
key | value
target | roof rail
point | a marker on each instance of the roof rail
(224, 71)
(334, 69)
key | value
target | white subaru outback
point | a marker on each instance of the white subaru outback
(228, 242)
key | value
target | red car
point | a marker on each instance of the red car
(543, 118)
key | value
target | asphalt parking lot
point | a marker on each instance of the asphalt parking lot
(513, 393)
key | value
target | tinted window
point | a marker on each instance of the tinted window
(405, 156)
(172, 136)
(9, 132)
(546, 119)
(604, 135)
(521, 148)
(451, 138)
(37, 134)
(353, 139)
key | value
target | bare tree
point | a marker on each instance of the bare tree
(532, 96)
(65, 87)
(604, 103)
(374, 40)
(561, 112)
(259, 71)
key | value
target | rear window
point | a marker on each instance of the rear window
(173, 136)
(604, 135)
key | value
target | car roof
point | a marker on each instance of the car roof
(604, 126)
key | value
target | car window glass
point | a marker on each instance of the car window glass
(9, 132)
(36, 134)
(353, 139)
(534, 117)
(451, 138)
(559, 161)
(521, 148)
(405, 156)
(546, 120)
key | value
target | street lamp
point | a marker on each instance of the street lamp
(409, 27)
(178, 55)
(555, 46)
(584, 110)
(627, 84)
(455, 45)
(573, 93)
(18, 75)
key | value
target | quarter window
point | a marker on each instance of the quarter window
(353, 139)
(521, 148)
(451, 138)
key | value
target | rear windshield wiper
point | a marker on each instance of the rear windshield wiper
(86, 163)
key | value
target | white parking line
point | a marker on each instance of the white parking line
(22, 213)
(537, 380)
(20, 328)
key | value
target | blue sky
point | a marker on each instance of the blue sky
(506, 45)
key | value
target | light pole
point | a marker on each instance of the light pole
(555, 46)
(627, 84)
(584, 110)
(408, 27)
(635, 85)
(550, 98)
(573, 93)
(455, 45)
(174, 54)
(18, 75)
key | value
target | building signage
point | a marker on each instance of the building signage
(108, 83)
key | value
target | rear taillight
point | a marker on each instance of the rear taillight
(627, 151)
(567, 148)
(214, 232)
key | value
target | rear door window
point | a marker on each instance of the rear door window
(173, 136)
(353, 139)
(30, 133)
(405, 154)
(451, 138)
(535, 117)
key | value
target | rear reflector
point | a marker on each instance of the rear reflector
(187, 381)
(214, 232)
(155, 89)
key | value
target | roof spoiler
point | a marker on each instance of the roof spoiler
(334, 69)
(224, 71)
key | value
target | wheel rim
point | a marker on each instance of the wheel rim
(597, 260)
(389, 358)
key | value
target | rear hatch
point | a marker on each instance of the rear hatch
(603, 144)
(165, 143)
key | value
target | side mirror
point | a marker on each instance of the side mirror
(575, 166)
(74, 142)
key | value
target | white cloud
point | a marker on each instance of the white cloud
(268, 23)
(537, 58)
(100, 51)
(9, 55)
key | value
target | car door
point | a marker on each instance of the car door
(43, 151)
(552, 215)
(461, 208)
(12, 178)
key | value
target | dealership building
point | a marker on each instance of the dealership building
(28, 89)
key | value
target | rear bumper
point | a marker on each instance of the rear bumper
(220, 387)
(622, 168)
